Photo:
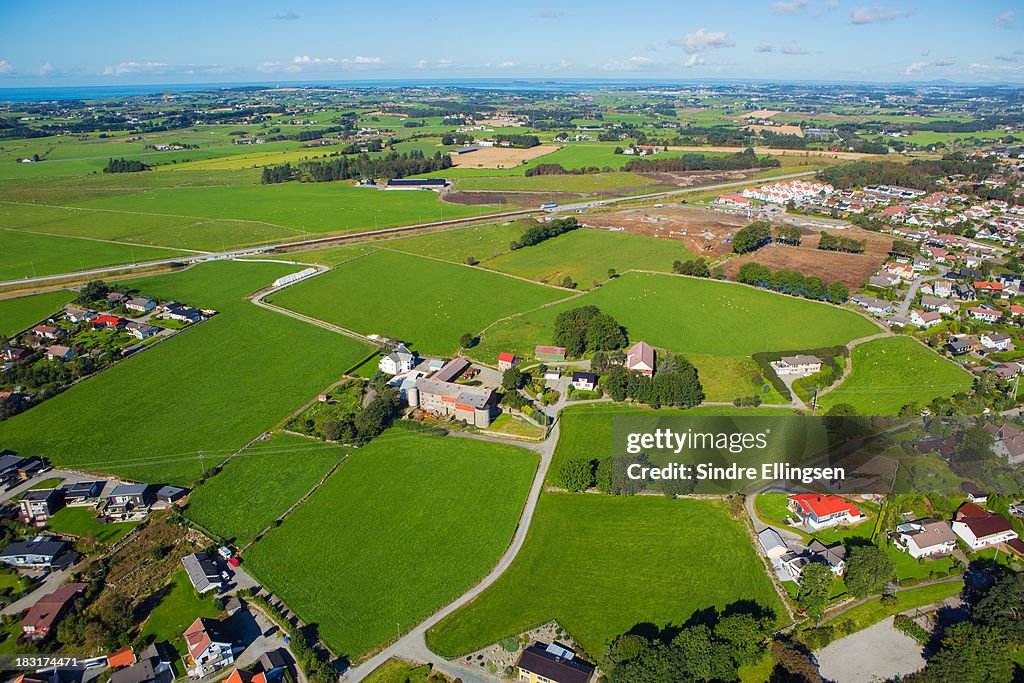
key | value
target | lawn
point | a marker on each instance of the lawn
(586, 255)
(425, 302)
(24, 254)
(82, 522)
(690, 315)
(725, 378)
(25, 311)
(298, 464)
(405, 525)
(398, 671)
(601, 565)
(197, 397)
(887, 374)
(178, 608)
(591, 182)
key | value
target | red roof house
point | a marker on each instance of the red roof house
(820, 511)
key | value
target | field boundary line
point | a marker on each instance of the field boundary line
(28, 231)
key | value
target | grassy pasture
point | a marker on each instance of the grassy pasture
(888, 373)
(690, 315)
(82, 522)
(601, 565)
(586, 255)
(24, 254)
(180, 606)
(553, 183)
(298, 464)
(209, 389)
(426, 302)
(25, 311)
(406, 524)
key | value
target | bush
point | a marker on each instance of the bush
(911, 628)
(510, 644)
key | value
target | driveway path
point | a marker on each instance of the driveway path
(904, 310)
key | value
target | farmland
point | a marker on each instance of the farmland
(297, 464)
(416, 299)
(23, 312)
(887, 374)
(586, 255)
(403, 526)
(202, 393)
(689, 315)
(642, 560)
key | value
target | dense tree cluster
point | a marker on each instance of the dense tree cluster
(699, 162)
(536, 234)
(708, 650)
(281, 173)
(697, 267)
(918, 173)
(369, 421)
(392, 165)
(585, 329)
(792, 282)
(868, 569)
(519, 140)
(676, 383)
(752, 237)
(124, 166)
(830, 242)
(788, 234)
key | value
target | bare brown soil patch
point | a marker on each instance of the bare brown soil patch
(508, 198)
(782, 152)
(500, 157)
(697, 178)
(778, 130)
(702, 231)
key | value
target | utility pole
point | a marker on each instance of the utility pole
(202, 461)
(814, 404)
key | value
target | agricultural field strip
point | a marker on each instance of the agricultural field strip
(98, 239)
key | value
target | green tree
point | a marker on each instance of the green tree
(752, 237)
(970, 653)
(513, 379)
(1002, 607)
(468, 340)
(868, 569)
(576, 474)
(815, 587)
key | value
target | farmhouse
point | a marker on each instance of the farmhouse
(925, 538)
(552, 663)
(507, 361)
(925, 319)
(797, 365)
(640, 358)
(473, 405)
(39, 552)
(202, 572)
(549, 353)
(41, 619)
(820, 511)
(398, 361)
(584, 381)
(209, 649)
(36, 506)
(59, 353)
(979, 528)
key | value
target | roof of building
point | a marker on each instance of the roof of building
(44, 546)
(38, 494)
(140, 672)
(202, 571)
(556, 663)
(802, 359)
(549, 350)
(771, 539)
(584, 376)
(506, 357)
(130, 490)
(928, 532)
(824, 505)
(123, 657)
(49, 609)
(477, 397)
(640, 354)
(201, 634)
(451, 370)
(972, 489)
(832, 555)
(981, 522)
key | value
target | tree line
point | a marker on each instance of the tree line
(830, 242)
(124, 166)
(536, 234)
(792, 282)
(393, 165)
(698, 162)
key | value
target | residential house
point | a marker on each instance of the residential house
(554, 663)
(925, 538)
(78, 315)
(942, 306)
(979, 528)
(959, 345)
(36, 506)
(549, 353)
(141, 330)
(943, 445)
(964, 292)
(81, 492)
(209, 649)
(584, 381)
(1006, 370)
(59, 353)
(1008, 442)
(988, 314)
(833, 556)
(49, 610)
(925, 319)
(13, 353)
(974, 493)
(128, 498)
(873, 305)
(153, 666)
(820, 511)
(996, 341)
(108, 321)
(398, 361)
(203, 572)
(552, 375)
(990, 288)
(182, 313)
(507, 360)
(797, 365)
(140, 304)
(121, 658)
(640, 358)
(47, 332)
(38, 553)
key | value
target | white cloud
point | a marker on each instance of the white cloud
(789, 7)
(945, 61)
(792, 49)
(693, 60)
(832, 5)
(925, 52)
(704, 39)
(47, 69)
(301, 63)
(445, 64)
(507, 64)
(125, 68)
(5, 67)
(289, 15)
(360, 59)
(635, 63)
(420, 64)
(763, 46)
(561, 65)
(876, 14)
(914, 67)
(1007, 17)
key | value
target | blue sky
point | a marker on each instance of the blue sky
(74, 43)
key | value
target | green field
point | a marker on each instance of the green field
(425, 302)
(82, 522)
(180, 606)
(886, 374)
(725, 378)
(25, 311)
(204, 392)
(586, 255)
(593, 182)
(297, 464)
(405, 525)
(24, 254)
(690, 315)
(601, 565)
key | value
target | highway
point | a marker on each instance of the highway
(366, 234)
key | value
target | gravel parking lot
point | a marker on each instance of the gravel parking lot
(877, 653)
